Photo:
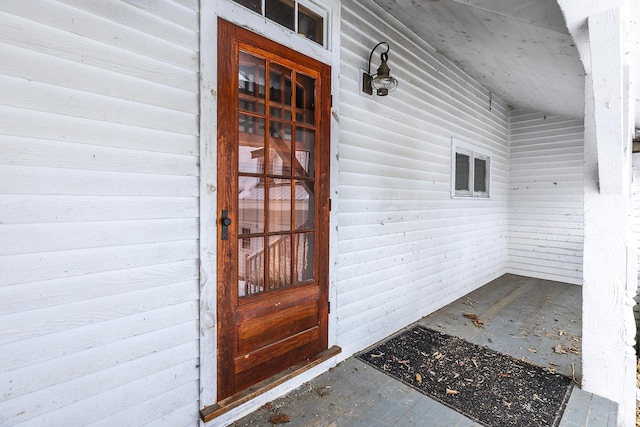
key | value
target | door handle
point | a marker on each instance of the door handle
(225, 222)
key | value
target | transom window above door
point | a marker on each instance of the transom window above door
(302, 17)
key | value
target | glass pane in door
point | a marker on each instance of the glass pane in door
(251, 266)
(304, 257)
(279, 205)
(305, 149)
(280, 149)
(279, 270)
(276, 179)
(250, 204)
(251, 83)
(251, 144)
(305, 99)
(304, 204)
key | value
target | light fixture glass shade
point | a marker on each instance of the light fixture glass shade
(384, 84)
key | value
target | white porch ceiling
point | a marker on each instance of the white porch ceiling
(519, 50)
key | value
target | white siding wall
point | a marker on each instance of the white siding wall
(98, 206)
(546, 196)
(405, 247)
(636, 232)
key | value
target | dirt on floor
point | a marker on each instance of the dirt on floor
(637, 387)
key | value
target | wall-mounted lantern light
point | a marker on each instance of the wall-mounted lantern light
(381, 81)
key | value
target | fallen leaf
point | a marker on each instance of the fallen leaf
(474, 318)
(280, 419)
(563, 349)
(419, 378)
(532, 350)
(449, 391)
(560, 349)
(321, 392)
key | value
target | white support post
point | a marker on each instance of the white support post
(208, 200)
(607, 348)
(605, 35)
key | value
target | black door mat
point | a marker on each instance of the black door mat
(491, 388)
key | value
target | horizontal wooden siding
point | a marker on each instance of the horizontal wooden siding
(99, 213)
(405, 247)
(546, 196)
(636, 234)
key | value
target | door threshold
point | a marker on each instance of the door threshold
(208, 413)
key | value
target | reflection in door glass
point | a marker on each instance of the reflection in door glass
(277, 133)
(304, 205)
(279, 273)
(251, 144)
(305, 99)
(279, 149)
(280, 85)
(250, 204)
(305, 148)
(279, 205)
(251, 262)
(251, 79)
(304, 257)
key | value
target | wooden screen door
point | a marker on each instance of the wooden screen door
(273, 208)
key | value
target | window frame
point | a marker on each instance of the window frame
(473, 152)
(313, 6)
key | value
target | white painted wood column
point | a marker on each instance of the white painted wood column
(608, 356)
(208, 200)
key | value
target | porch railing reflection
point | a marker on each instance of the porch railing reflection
(279, 264)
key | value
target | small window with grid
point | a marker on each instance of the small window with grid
(471, 170)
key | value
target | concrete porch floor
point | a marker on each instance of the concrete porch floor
(534, 319)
